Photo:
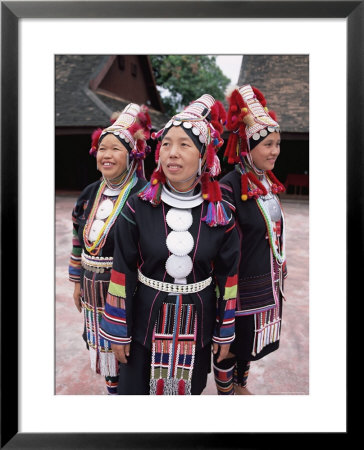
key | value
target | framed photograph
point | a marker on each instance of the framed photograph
(32, 416)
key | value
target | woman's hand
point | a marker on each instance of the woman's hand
(121, 352)
(224, 350)
(77, 296)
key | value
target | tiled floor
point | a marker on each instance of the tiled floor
(285, 371)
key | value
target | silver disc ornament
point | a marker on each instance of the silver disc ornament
(179, 266)
(104, 210)
(95, 229)
(179, 219)
(180, 242)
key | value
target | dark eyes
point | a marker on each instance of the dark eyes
(268, 144)
(182, 144)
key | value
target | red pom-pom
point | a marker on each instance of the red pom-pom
(95, 136)
(273, 115)
(218, 116)
(157, 176)
(134, 128)
(259, 96)
(236, 104)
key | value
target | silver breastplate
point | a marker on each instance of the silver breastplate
(271, 203)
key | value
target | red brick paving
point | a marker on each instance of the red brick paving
(285, 371)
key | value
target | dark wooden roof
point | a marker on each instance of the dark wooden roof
(284, 82)
(83, 101)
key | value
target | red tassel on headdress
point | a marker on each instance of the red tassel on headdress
(134, 128)
(95, 141)
(244, 187)
(152, 191)
(156, 154)
(236, 103)
(231, 151)
(205, 185)
(145, 120)
(218, 116)
(216, 214)
(210, 155)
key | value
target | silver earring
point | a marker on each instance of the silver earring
(199, 167)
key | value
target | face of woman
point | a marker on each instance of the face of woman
(179, 158)
(264, 155)
(111, 157)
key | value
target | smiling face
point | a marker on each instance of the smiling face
(264, 155)
(111, 157)
(179, 158)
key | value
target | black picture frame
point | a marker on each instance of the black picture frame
(11, 12)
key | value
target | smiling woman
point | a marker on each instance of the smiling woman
(265, 154)
(251, 189)
(111, 157)
(119, 150)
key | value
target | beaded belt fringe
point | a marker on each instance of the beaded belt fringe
(175, 288)
(173, 349)
(96, 263)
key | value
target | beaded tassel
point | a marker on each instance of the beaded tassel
(277, 186)
(216, 213)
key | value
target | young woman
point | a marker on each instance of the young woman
(173, 283)
(251, 189)
(119, 150)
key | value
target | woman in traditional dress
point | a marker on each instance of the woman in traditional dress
(251, 189)
(173, 283)
(119, 150)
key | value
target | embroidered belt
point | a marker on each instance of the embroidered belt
(175, 288)
(96, 263)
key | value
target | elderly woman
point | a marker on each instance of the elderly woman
(251, 189)
(119, 150)
(173, 283)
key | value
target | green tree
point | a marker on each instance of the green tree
(187, 77)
